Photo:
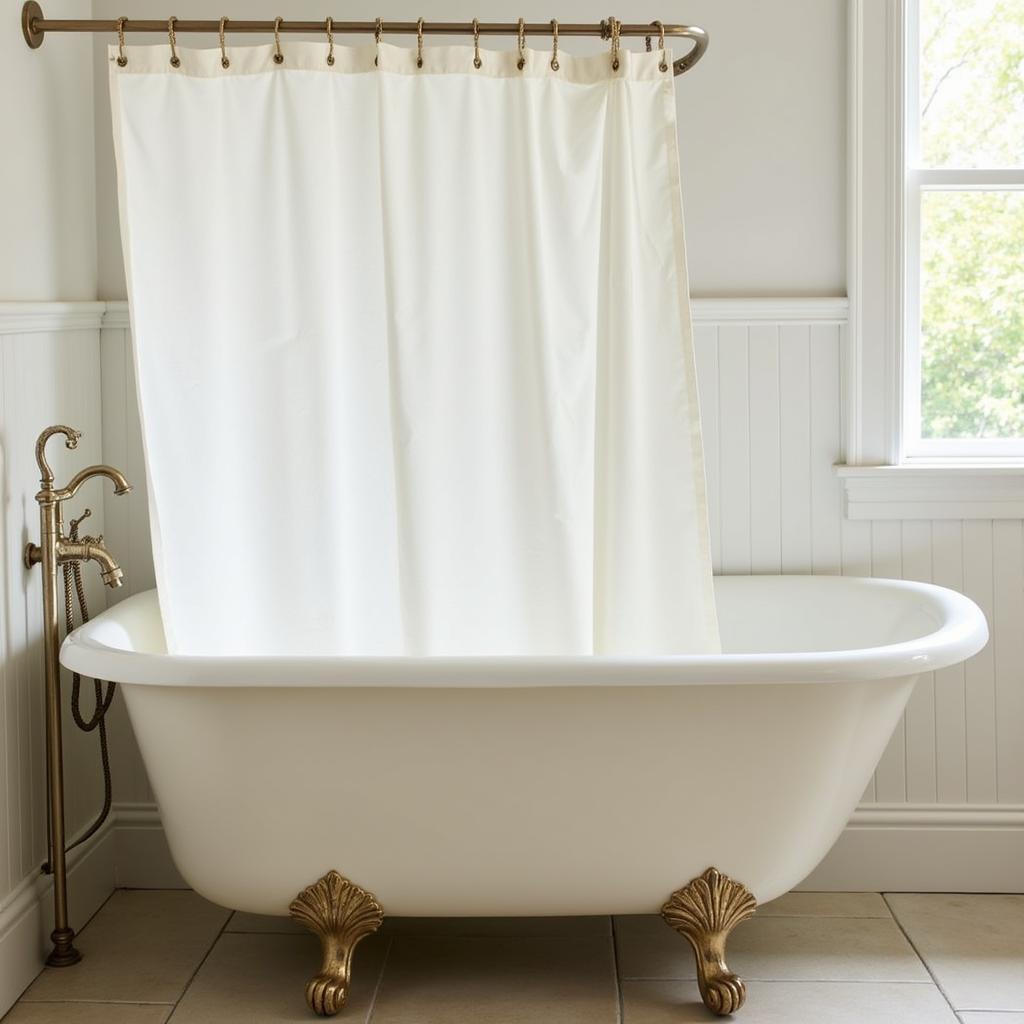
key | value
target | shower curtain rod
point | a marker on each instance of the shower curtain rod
(35, 26)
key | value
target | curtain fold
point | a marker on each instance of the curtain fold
(413, 351)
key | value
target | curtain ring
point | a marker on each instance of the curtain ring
(329, 29)
(647, 43)
(554, 44)
(477, 62)
(175, 59)
(122, 59)
(419, 42)
(278, 55)
(378, 34)
(224, 62)
(521, 63)
(663, 66)
(615, 25)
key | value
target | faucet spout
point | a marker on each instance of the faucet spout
(91, 550)
(121, 485)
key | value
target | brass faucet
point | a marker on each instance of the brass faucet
(53, 550)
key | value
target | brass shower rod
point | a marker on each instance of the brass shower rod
(35, 26)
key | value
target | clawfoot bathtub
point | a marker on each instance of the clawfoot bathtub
(530, 786)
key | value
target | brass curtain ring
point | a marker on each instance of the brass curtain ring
(477, 62)
(278, 55)
(122, 58)
(224, 62)
(419, 42)
(378, 34)
(615, 25)
(554, 44)
(521, 63)
(175, 59)
(663, 65)
(647, 43)
(329, 28)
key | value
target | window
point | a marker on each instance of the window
(963, 224)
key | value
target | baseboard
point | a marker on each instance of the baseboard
(885, 848)
(142, 857)
(26, 916)
(926, 848)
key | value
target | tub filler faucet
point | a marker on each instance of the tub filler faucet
(54, 550)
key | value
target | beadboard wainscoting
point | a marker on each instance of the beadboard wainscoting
(49, 373)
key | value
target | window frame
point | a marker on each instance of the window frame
(885, 186)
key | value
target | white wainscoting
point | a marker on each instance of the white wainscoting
(948, 796)
(49, 373)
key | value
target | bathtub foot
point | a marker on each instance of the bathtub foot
(341, 914)
(705, 912)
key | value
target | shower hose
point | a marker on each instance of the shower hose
(97, 722)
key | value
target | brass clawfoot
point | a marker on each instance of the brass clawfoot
(705, 912)
(341, 914)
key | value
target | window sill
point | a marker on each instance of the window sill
(934, 491)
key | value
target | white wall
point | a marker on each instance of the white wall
(762, 129)
(47, 170)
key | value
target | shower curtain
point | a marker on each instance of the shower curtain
(413, 352)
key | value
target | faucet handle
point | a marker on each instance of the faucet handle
(73, 527)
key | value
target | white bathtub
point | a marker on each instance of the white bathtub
(531, 786)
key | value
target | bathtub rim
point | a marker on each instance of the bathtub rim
(964, 632)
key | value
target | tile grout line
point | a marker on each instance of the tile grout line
(199, 966)
(917, 953)
(380, 981)
(615, 969)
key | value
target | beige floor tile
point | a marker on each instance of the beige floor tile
(87, 1013)
(974, 945)
(142, 946)
(501, 927)
(993, 1017)
(263, 923)
(826, 904)
(468, 927)
(678, 1002)
(458, 980)
(777, 949)
(260, 978)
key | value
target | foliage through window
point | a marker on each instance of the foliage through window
(964, 365)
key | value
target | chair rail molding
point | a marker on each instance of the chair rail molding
(875, 218)
(729, 310)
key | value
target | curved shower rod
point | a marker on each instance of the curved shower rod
(35, 25)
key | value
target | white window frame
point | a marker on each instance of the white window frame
(919, 180)
(883, 270)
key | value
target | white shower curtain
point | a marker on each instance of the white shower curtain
(413, 352)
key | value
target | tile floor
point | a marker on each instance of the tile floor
(808, 958)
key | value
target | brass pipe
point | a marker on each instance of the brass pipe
(35, 27)
(53, 550)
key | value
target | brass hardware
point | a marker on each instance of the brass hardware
(35, 25)
(554, 44)
(341, 915)
(614, 29)
(419, 42)
(521, 63)
(56, 549)
(705, 912)
(378, 34)
(330, 41)
(122, 60)
(224, 62)
(175, 59)
(663, 65)
(477, 62)
(31, 14)
(278, 55)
